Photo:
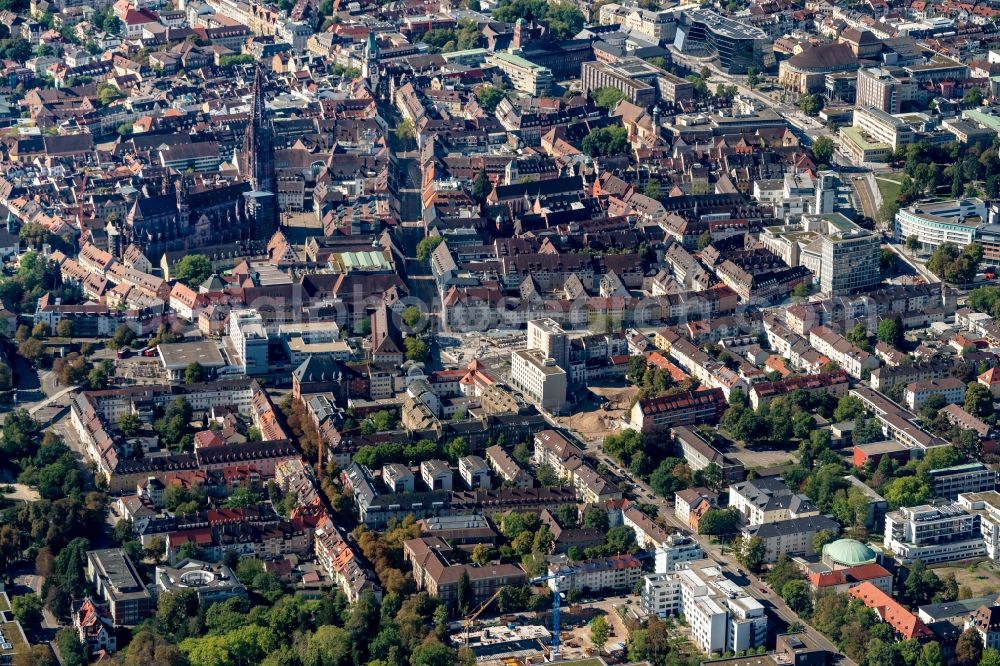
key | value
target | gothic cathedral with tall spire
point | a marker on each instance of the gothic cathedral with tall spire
(258, 158)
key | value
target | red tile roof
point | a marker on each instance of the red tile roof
(905, 623)
(858, 574)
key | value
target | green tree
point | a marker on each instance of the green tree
(955, 266)
(596, 518)
(858, 336)
(887, 211)
(822, 538)
(991, 657)
(719, 522)
(414, 318)
(607, 97)
(753, 77)
(129, 424)
(107, 94)
(704, 240)
(64, 329)
(194, 373)
(416, 349)
(907, 491)
(564, 20)
(811, 105)
(71, 651)
(489, 98)
(750, 552)
(973, 97)
(406, 134)
(978, 400)
(328, 646)
(173, 609)
(464, 593)
(481, 187)
(193, 269)
(822, 149)
(482, 554)
(21, 434)
(433, 654)
(426, 246)
(890, 331)
(600, 630)
(798, 596)
(606, 141)
(849, 408)
(27, 608)
(123, 337)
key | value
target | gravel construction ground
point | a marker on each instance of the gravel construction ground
(762, 459)
(982, 578)
(594, 423)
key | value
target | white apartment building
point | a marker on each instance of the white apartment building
(524, 75)
(474, 472)
(835, 347)
(933, 224)
(768, 500)
(539, 378)
(986, 505)
(616, 573)
(661, 596)
(722, 617)
(249, 339)
(398, 478)
(951, 389)
(436, 474)
(675, 550)
(933, 533)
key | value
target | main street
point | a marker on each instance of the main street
(756, 588)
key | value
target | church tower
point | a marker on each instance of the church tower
(370, 60)
(258, 155)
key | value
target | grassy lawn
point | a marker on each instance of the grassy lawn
(982, 578)
(889, 186)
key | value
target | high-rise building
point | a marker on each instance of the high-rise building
(883, 89)
(548, 336)
(849, 255)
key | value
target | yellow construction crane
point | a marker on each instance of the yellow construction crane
(471, 617)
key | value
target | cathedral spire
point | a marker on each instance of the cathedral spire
(258, 156)
(257, 142)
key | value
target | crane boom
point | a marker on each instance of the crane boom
(471, 617)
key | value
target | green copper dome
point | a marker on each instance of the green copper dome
(848, 552)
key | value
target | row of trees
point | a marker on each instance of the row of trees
(954, 265)
(779, 421)
(562, 19)
(859, 633)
